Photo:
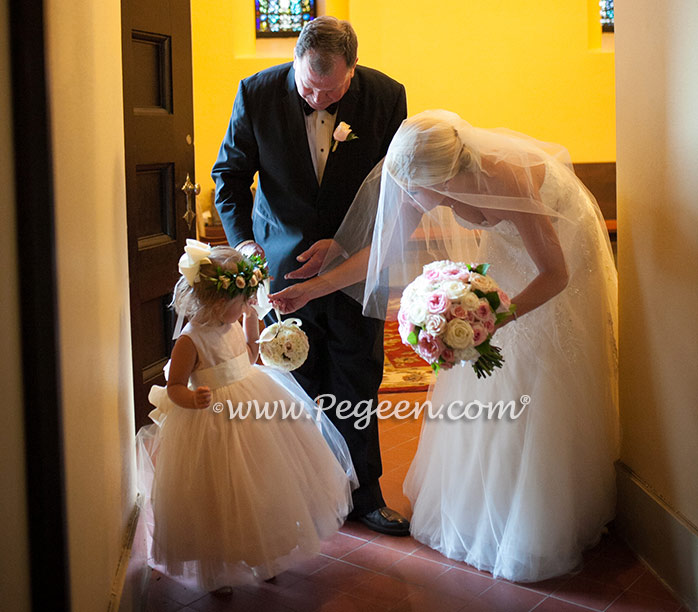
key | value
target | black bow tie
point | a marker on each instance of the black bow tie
(308, 110)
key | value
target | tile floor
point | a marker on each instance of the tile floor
(359, 570)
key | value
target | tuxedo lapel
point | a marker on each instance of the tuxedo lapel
(347, 112)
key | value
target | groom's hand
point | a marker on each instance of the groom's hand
(311, 259)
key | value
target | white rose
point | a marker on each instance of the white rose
(417, 313)
(459, 334)
(437, 265)
(435, 324)
(454, 289)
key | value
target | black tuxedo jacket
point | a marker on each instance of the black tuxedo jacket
(267, 134)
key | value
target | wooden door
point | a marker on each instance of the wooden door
(158, 126)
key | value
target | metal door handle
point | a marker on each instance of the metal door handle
(190, 189)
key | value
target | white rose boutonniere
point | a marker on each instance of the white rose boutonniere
(342, 133)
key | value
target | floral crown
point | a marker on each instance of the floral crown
(243, 279)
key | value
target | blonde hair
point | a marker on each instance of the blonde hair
(426, 151)
(202, 302)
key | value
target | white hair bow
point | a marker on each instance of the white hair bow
(195, 253)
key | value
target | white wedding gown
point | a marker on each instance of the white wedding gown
(523, 498)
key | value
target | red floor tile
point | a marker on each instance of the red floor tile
(416, 571)
(462, 584)
(374, 557)
(305, 595)
(403, 544)
(648, 584)
(635, 602)
(621, 572)
(383, 591)
(341, 576)
(589, 593)
(425, 599)
(510, 598)
(424, 552)
(555, 605)
(340, 545)
(347, 603)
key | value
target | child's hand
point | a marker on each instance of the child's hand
(202, 398)
(248, 309)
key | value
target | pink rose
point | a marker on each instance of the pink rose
(448, 356)
(458, 311)
(489, 324)
(470, 316)
(483, 310)
(438, 302)
(429, 347)
(462, 275)
(451, 272)
(504, 301)
(432, 275)
(480, 333)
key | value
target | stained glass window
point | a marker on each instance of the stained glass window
(276, 18)
(606, 15)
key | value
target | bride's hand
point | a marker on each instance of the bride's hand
(291, 298)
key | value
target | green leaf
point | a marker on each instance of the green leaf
(480, 268)
(412, 338)
(493, 298)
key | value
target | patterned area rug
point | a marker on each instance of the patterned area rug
(403, 369)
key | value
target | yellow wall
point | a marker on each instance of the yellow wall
(535, 67)
(84, 73)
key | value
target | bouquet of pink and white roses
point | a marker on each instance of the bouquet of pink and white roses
(448, 315)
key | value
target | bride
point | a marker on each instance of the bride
(521, 498)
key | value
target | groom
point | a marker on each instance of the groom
(282, 126)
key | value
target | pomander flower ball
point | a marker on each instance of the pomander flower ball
(284, 345)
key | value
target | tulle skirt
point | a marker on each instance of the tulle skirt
(235, 500)
(522, 497)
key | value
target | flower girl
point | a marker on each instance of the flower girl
(235, 498)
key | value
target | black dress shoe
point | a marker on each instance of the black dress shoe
(387, 521)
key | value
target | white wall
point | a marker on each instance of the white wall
(14, 560)
(657, 153)
(84, 66)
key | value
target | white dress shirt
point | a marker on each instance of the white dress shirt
(319, 126)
